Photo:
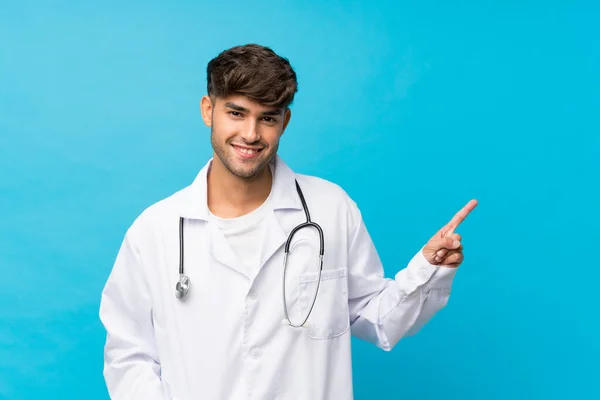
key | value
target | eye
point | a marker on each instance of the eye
(269, 119)
(235, 113)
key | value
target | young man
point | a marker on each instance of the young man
(207, 299)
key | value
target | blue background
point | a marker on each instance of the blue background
(413, 107)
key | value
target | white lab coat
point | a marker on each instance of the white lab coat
(226, 340)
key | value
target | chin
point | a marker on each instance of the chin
(242, 170)
(248, 175)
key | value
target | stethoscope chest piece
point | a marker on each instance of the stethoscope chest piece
(182, 287)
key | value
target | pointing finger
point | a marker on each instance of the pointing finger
(460, 217)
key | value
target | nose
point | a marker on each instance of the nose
(250, 132)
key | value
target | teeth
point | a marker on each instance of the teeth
(246, 151)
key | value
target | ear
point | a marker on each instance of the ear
(206, 109)
(286, 119)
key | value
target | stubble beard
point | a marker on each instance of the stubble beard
(224, 152)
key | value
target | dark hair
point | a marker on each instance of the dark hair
(254, 71)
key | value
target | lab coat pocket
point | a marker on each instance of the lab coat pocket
(329, 317)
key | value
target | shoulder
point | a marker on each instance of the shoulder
(155, 217)
(331, 204)
(330, 193)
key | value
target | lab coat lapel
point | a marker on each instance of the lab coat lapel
(221, 251)
(194, 205)
(273, 238)
(284, 198)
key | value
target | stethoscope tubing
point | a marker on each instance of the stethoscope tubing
(183, 286)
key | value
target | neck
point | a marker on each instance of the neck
(230, 196)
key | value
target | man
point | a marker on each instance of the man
(235, 330)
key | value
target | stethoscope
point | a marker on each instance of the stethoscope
(183, 286)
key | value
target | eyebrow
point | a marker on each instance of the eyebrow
(235, 107)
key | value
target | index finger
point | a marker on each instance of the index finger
(460, 216)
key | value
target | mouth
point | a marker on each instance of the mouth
(246, 152)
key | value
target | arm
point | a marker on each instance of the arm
(131, 365)
(384, 310)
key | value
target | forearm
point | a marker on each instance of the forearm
(405, 304)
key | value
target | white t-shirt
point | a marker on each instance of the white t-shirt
(244, 234)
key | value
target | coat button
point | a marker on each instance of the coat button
(256, 353)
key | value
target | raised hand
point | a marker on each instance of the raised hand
(445, 248)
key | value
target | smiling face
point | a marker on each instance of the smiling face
(244, 134)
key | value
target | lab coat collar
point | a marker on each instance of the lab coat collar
(194, 204)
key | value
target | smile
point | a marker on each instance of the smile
(246, 152)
